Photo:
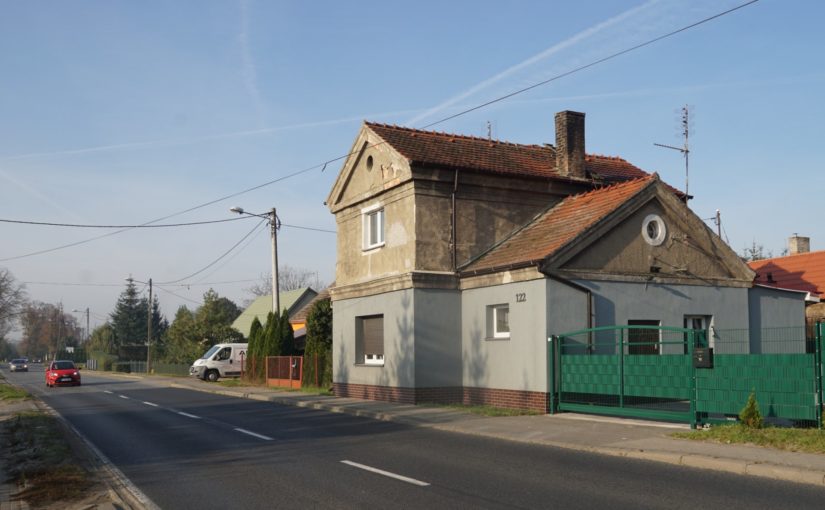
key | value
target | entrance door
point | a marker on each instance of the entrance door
(700, 322)
(642, 340)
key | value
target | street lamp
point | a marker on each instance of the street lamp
(87, 320)
(148, 324)
(274, 225)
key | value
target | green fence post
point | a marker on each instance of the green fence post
(621, 368)
(818, 333)
(691, 339)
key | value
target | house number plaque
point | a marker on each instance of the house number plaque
(521, 297)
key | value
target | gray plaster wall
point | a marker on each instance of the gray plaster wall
(777, 321)
(615, 303)
(437, 338)
(517, 363)
(399, 354)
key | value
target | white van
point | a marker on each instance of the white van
(221, 360)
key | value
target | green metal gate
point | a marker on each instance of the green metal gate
(638, 371)
(649, 372)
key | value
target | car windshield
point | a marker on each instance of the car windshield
(211, 351)
(63, 365)
(18, 361)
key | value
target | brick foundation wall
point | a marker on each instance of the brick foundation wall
(512, 399)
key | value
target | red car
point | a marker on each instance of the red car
(62, 372)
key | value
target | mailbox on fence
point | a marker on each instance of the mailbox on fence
(703, 357)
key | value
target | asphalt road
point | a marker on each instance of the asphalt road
(187, 449)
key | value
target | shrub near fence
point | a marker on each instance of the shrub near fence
(318, 370)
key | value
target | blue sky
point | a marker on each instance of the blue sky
(116, 112)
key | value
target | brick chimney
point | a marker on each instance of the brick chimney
(570, 144)
(798, 244)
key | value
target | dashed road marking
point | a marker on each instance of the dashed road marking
(253, 434)
(123, 396)
(107, 391)
(188, 415)
(150, 404)
(385, 473)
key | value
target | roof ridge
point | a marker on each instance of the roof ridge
(788, 256)
(453, 135)
(611, 187)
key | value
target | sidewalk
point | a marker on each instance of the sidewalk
(610, 436)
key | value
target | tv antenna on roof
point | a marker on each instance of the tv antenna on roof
(685, 149)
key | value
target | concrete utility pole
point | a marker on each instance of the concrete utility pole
(274, 225)
(149, 332)
(276, 291)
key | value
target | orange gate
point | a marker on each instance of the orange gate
(284, 371)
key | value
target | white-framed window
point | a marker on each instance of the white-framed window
(498, 321)
(373, 218)
(369, 340)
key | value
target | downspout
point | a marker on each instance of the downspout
(589, 295)
(453, 222)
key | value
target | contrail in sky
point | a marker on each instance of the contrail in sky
(595, 29)
(250, 75)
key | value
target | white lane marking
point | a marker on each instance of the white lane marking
(123, 396)
(385, 473)
(107, 391)
(188, 415)
(253, 434)
(150, 404)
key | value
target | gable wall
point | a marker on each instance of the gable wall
(686, 252)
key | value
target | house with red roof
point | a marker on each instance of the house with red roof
(801, 270)
(458, 256)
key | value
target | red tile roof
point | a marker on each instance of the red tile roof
(804, 271)
(482, 154)
(558, 226)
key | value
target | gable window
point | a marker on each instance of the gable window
(373, 227)
(498, 321)
(643, 340)
(654, 230)
(369, 340)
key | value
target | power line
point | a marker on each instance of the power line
(217, 259)
(309, 228)
(165, 225)
(237, 252)
(199, 303)
(323, 165)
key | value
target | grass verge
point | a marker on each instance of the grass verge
(39, 460)
(795, 440)
(12, 393)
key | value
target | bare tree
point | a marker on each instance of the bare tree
(289, 278)
(755, 252)
(12, 299)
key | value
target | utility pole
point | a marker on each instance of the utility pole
(685, 149)
(276, 293)
(718, 223)
(149, 332)
(274, 225)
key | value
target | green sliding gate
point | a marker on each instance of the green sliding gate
(669, 373)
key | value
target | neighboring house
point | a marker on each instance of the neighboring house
(292, 301)
(298, 321)
(458, 256)
(802, 270)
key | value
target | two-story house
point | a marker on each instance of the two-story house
(458, 256)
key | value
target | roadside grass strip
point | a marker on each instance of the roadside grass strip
(790, 439)
(40, 461)
(12, 393)
(253, 434)
(385, 473)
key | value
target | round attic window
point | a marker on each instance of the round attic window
(654, 230)
(369, 163)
